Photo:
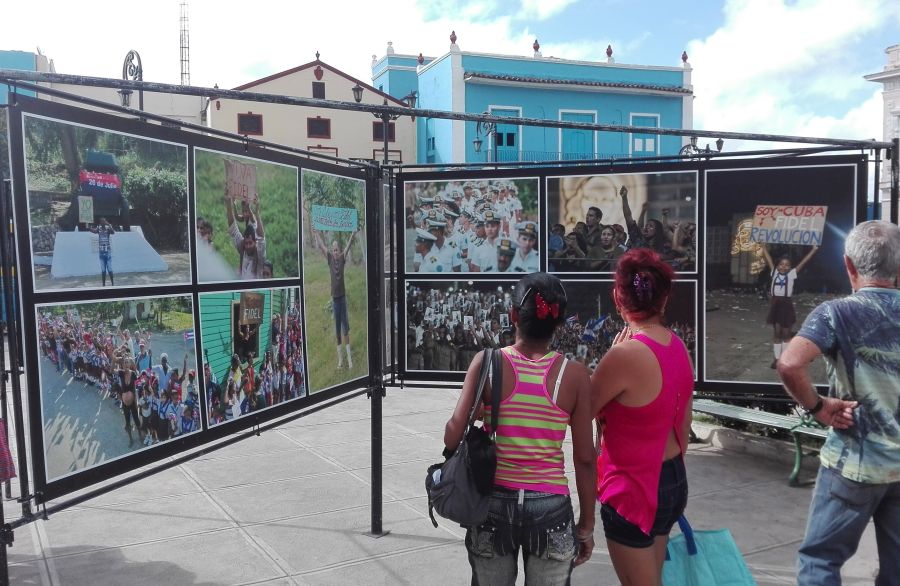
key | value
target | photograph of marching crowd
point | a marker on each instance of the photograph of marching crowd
(334, 276)
(448, 322)
(115, 377)
(594, 219)
(487, 226)
(106, 209)
(246, 218)
(774, 251)
(252, 345)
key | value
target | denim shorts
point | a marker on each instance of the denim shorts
(541, 524)
(671, 501)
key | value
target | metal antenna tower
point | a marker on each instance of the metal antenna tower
(185, 46)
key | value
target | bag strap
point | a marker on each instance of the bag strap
(496, 388)
(688, 533)
(482, 378)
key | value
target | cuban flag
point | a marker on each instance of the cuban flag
(572, 320)
(189, 335)
(592, 329)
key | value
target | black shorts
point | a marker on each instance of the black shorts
(671, 501)
(781, 312)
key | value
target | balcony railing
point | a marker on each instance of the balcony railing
(505, 156)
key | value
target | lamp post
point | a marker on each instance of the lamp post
(489, 129)
(132, 69)
(385, 118)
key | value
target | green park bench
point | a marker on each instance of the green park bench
(795, 425)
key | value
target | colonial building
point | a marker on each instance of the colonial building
(539, 87)
(339, 133)
(890, 77)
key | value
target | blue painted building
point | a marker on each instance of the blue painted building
(24, 61)
(539, 87)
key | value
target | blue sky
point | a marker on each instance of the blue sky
(772, 66)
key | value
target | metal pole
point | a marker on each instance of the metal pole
(385, 120)
(374, 181)
(12, 334)
(895, 178)
(876, 206)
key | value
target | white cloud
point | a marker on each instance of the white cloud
(773, 64)
(543, 9)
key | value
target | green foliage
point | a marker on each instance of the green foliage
(158, 199)
(277, 187)
(528, 195)
(177, 321)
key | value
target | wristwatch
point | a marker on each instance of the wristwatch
(816, 408)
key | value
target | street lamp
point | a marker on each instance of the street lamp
(693, 150)
(385, 118)
(488, 129)
(132, 70)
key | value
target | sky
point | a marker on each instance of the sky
(792, 67)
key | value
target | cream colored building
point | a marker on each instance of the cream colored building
(890, 77)
(340, 133)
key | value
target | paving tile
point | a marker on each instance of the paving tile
(222, 557)
(298, 496)
(25, 544)
(31, 573)
(266, 442)
(96, 527)
(298, 462)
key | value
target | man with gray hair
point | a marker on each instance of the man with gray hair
(859, 475)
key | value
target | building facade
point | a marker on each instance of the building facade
(339, 133)
(890, 78)
(545, 88)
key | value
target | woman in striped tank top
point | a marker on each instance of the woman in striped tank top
(642, 394)
(542, 395)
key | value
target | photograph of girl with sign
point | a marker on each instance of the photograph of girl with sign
(774, 251)
(596, 218)
(115, 377)
(105, 208)
(246, 218)
(334, 276)
(469, 225)
(252, 344)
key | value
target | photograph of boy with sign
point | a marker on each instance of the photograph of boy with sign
(246, 218)
(458, 226)
(252, 345)
(334, 276)
(774, 251)
(104, 362)
(599, 217)
(93, 190)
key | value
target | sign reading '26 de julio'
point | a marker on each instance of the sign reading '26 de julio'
(789, 224)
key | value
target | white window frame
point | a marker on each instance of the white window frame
(631, 117)
(596, 134)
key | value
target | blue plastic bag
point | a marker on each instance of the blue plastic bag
(704, 558)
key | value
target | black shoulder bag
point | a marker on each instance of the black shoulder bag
(459, 489)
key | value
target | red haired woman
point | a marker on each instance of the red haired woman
(641, 393)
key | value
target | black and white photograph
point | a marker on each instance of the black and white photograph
(472, 226)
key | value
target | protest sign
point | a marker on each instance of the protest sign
(86, 209)
(251, 308)
(240, 181)
(334, 219)
(789, 224)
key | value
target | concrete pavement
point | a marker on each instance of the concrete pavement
(292, 506)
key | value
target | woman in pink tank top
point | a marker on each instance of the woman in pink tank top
(542, 395)
(641, 393)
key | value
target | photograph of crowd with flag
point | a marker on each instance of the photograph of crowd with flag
(448, 322)
(593, 219)
(774, 251)
(115, 377)
(335, 278)
(246, 218)
(106, 209)
(473, 225)
(252, 344)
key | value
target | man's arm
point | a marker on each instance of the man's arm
(229, 209)
(319, 244)
(793, 368)
(257, 218)
(626, 209)
(349, 243)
